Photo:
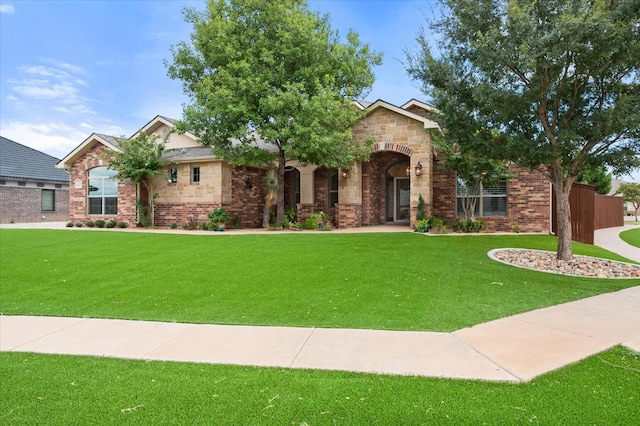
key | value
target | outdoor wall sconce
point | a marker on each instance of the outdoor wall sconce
(418, 169)
(345, 173)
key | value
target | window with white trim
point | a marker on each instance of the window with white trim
(102, 191)
(492, 200)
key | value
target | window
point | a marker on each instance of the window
(195, 174)
(48, 200)
(173, 175)
(492, 200)
(103, 191)
(333, 189)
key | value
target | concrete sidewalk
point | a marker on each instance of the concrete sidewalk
(512, 349)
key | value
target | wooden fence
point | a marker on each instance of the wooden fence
(590, 211)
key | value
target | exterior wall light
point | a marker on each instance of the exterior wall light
(408, 170)
(418, 169)
(345, 173)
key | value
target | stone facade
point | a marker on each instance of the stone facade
(384, 189)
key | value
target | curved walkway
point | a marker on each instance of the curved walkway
(516, 348)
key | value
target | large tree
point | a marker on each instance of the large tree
(631, 194)
(271, 80)
(551, 85)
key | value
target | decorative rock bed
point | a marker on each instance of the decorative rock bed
(581, 266)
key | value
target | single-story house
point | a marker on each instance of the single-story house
(32, 189)
(383, 190)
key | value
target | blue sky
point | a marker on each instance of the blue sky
(71, 68)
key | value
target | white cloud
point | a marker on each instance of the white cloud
(54, 138)
(7, 8)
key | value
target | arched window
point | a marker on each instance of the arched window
(102, 192)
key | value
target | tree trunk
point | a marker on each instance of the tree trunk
(282, 163)
(562, 187)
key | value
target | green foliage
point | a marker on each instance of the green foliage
(89, 224)
(515, 229)
(631, 194)
(78, 225)
(310, 223)
(291, 214)
(217, 218)
(173, 226)
(69, 225)
(421, 212)
(470, 225)
(272, 80)
(550, 85)
(99, 223)
(138, 161)
(422, 225)
(122, 224)
(598, 177)
(111, 224)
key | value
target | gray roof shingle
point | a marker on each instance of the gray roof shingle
(20, 162)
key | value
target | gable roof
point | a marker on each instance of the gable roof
(109, 141)
(19, 162)
(428, 124)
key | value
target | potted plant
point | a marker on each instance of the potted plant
(218, 219)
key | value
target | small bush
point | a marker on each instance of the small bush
(99, 223)
(515, 229)
(204, 226)
(111, 224)
(310, 223)
(470, 225)
(422, 225)
(89, 224)
(122, 225)
(236, 222)
(173, 226)
(78, 225)
(191, 223)
(69, 224)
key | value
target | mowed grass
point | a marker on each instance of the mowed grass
(400, 281)
(632, 236)
(63, 390)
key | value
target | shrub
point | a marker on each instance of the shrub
(191, 223)
(122, 225)
(470, 225)
(173, 226)
(422, 225)
(310, 223)
(204, 226)
(515, 229)
(290, 214)
(78, 225)
(421, 211)
(69, 224)
(111, 224)
(89, 224)
(236, 222)
(99, 223)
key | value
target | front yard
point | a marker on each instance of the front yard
(398, 281)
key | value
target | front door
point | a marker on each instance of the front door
(402, 191)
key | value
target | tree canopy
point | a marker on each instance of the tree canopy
(631, 194)
(272, 80)
(551, 85)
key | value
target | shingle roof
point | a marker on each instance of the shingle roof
(190, 153)
(20, 162)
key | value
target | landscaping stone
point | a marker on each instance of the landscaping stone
(582, 266)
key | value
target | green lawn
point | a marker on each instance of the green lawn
(63, 390)
(401, 281)
(632, 236)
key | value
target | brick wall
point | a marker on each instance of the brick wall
(78, 184)
(528, 201)
(24, 204)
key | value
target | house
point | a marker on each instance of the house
(385, 189)
(31, 188)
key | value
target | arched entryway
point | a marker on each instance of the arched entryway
(386, 188)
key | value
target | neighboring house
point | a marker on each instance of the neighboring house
(32, 189)
(629, 209)
(402, 166)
